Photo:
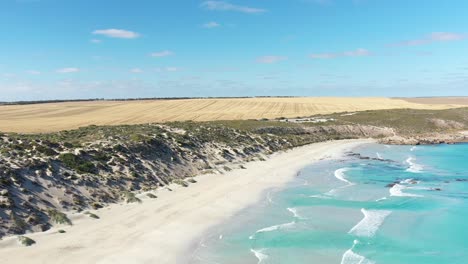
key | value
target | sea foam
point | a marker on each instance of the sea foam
(274, 228)
(379, 156)
(295, 213)
(350, 257)
(259, 255)
(413, 166)
(397, 190)
(371, 222)
(340, 175)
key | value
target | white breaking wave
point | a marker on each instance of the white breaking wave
(413, 167)
(295, 213)
(379, 156)
(397, 190)
(340, 175)
(371, 222)
(349, 257)
(259, 255)
(274, 228)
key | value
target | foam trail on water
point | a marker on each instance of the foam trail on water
(413, 148)
(381, 199)
(397, 190)
(295, 213)
(259, 255)
(340, 175)
(349, 257)
(413, 167)
(379, 156)
(371, 222)
(274, 228)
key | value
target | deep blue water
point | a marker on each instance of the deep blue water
(378, 204)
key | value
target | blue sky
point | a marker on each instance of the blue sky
(64, 49)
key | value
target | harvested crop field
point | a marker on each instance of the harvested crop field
(438, 100)
(49, 117)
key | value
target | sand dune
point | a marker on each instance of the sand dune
(60, 116)
(163, 230)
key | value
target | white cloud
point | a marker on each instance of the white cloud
(357, 53)
(116, 33)
(211, 24)
(136, 70)
(172, 69)
(96, 41)
(226, 6)
(33, 72)
(433, 37)
(163, 53)
(68, 70)
(353, 53)
(271, 59)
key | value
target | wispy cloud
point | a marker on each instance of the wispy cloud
(68, 70)
(353, 53)
(136, 70)
(271, 59)
(33, 72)
(116, 33)
(226, 6)
(167, 69)
(95, 41)
(431, 38)
(211, 24)
(163, 53)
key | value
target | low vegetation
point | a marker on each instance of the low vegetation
(91, 167)
(131, 198)
(58, 217)
(26, 241)
(91, 215)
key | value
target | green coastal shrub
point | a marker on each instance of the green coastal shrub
(192, 180)
(152, 196)
(181, 182)
(91, 215)
(58, 217)
(77, 163)
(26, 241)
(131, 198)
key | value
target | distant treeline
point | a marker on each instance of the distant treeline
(132, 99)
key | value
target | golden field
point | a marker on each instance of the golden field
(49, 117)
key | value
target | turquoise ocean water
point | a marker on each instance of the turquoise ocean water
(378, 204)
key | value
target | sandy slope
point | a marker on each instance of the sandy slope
(161, 230)
(60, 116)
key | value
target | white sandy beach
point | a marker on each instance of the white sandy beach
(161, 230)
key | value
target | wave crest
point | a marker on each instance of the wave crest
(371, 222)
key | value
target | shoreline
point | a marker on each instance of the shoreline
(162, 230)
